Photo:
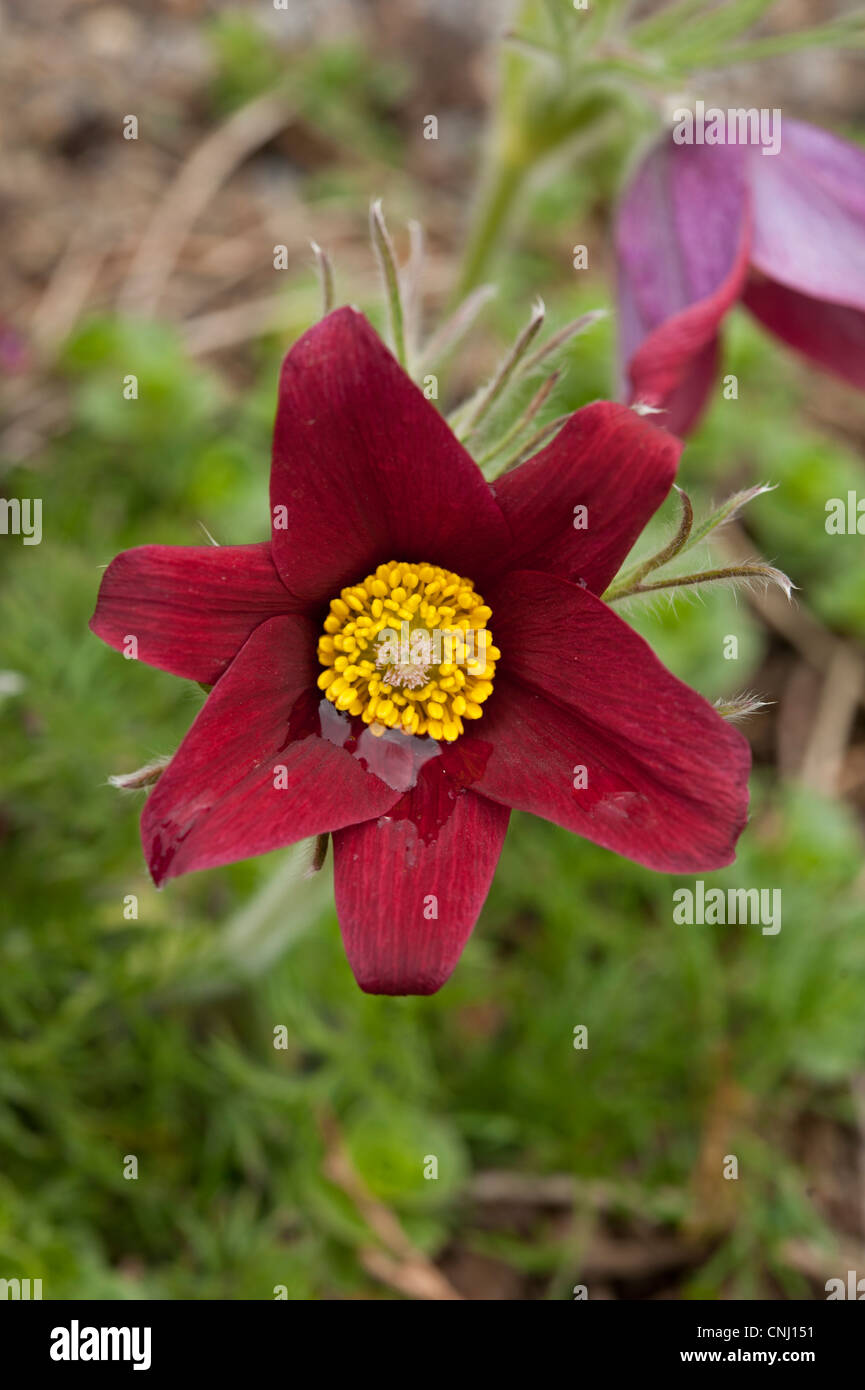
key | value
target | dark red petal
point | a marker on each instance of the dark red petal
(367, 469)
(576, 687)
(435, 852)
(682, 242)
(218, 801)
(607, 458)
(684, 404)
(191, 608)
(831, 334)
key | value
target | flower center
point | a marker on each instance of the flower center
(408, 648)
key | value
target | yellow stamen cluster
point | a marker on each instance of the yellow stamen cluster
(439, 613)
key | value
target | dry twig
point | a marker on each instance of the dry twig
(196, 183)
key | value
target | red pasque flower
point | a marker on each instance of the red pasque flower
(703, 226)
(382, 519)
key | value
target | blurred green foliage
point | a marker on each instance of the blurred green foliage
(340, 88)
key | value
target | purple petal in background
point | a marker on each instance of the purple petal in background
(682, 241)
(809, 215)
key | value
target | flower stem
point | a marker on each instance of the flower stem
(494, 209)
(504, 372)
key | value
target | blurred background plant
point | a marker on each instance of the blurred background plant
(301, 1166)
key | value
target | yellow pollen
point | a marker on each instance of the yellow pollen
(408, 648)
